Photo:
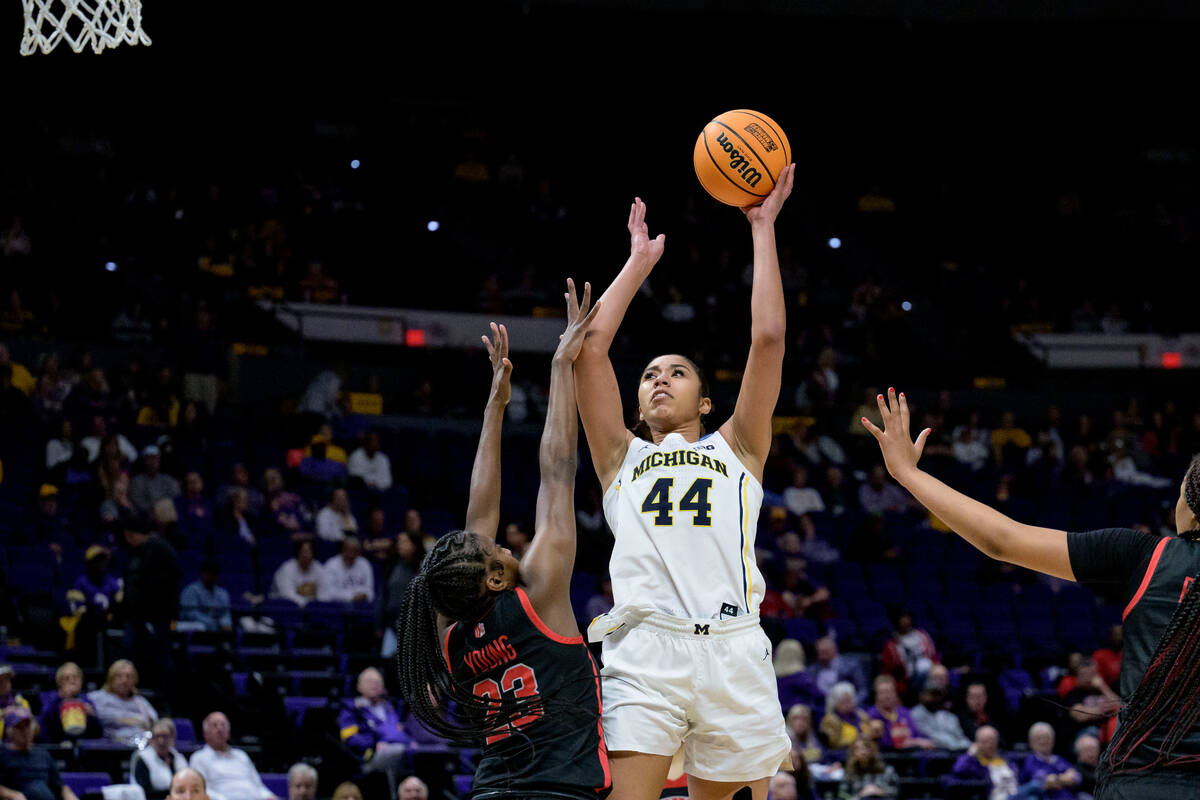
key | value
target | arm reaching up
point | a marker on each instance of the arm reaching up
(483, 509)
(551, 558)
(748, 431)
(997, 536)
(596, 382)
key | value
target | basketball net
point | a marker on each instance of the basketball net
(81, 23)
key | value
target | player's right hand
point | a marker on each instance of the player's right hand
(642, 248)
(497, 348)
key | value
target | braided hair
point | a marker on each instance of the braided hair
(450, 583)
(1165, 701)
(642, 429)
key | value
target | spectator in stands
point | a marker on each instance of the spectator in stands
(238, 521)
(50, 529)
(26, 773)
(900, 732)
(89, 399)
(153, 767)
(879, 494)
(371, 465)
(69, 716)
(783, 787)
(288, 511)
(804, 737)
(60, 449)
(239, 478)
(8, 698)
(109, 466)
(302, 782)
(983, 763)
(379, 547)
(227, 771)
(370, 727)
(909, 653)
(977, 712)
(15, 411)
(188, 784)
(151, 485)
(22, 380)
(801, 498)
(837, 496)
(602, 601)
(91, 443)
(203, 359)
(413, 788)
(162, 402)
(795, 685)
(335, 521)
(414, 525)
(324, 436)
(938, 723)
(299, 578)
(1053, 773)
(1087, 761)
(832, 668)
(151, 597)
(124, 714)
(410, 552)
(195, 510)
(347, 791)
(1009, 443)
(348, 576)
(516, 539)
(1108, 658)
(866, 775)
(1092, 701)
(92, 601)
(117, 502)
(844, 721)
(203, 605)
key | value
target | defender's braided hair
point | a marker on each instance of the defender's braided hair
(1165, 701)
(450, 583)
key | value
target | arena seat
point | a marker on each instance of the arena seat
(82, 783)
(277, 782)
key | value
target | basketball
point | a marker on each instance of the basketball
(739, 156)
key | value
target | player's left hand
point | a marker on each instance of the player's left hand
(497, 348)
(579, 317)
(766, 211)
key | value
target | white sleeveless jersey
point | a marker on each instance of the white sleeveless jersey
(684, 517)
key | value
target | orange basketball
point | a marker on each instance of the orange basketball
(739, 156)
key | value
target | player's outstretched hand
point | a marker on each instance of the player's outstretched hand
(641, 247)
(900, 453)
(766, 211)
(497, 349)
(579, 317)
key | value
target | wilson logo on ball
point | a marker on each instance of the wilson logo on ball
(739, 162)
(763, 138)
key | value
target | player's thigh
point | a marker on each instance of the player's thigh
(701, 789)
(638, 776)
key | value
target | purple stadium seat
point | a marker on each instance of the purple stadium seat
(185, 731)
(462, 784)
(84, 782)
(276, 782)
(803, 630)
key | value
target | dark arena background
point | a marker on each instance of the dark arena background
(232, 257)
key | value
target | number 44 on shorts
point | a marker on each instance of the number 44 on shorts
(695, 499)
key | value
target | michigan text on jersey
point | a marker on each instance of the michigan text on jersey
(679, 458)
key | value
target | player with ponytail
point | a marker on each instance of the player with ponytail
(1155, 752)
(490, 653)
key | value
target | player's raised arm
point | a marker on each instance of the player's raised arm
(547, 566)
(483, 508)
(596, 383)
(748, 431)
(997, 536)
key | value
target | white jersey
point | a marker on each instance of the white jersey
(684, 517)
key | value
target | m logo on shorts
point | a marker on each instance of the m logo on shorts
(701, 629)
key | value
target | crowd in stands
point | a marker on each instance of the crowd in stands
(154, 517)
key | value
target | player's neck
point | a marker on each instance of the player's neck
(690, 431)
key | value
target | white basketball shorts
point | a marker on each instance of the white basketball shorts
(704, 683)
